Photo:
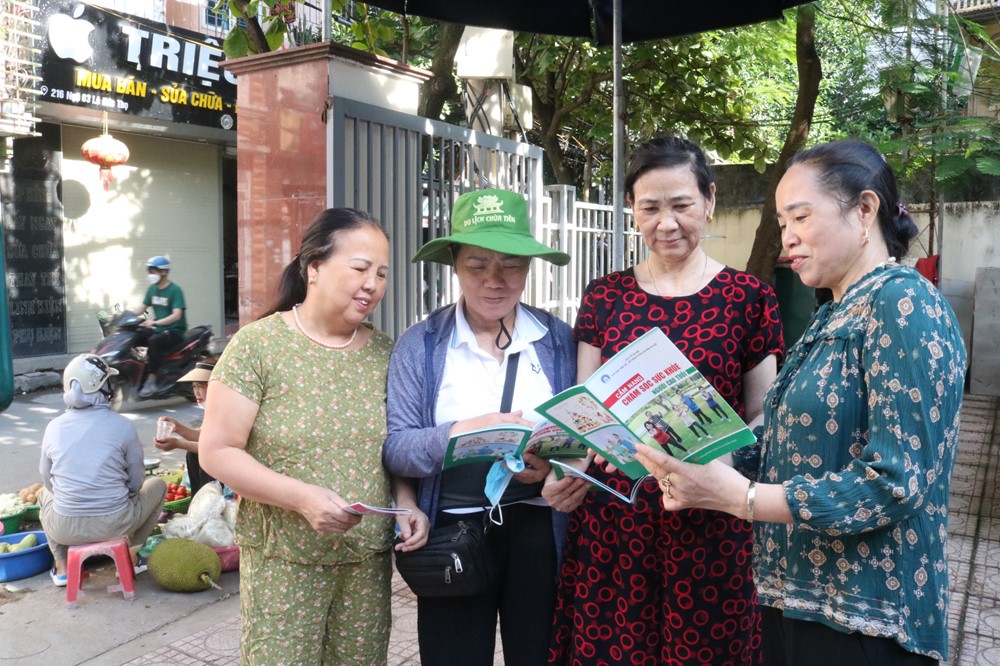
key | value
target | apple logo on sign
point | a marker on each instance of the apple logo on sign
(69, 36)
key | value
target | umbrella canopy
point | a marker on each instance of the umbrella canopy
(640, 19)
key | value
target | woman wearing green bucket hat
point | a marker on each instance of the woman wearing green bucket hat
(447, 375)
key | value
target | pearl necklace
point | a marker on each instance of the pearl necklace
(298, 324)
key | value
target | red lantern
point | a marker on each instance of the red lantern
(105, 151)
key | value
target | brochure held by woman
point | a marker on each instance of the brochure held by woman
(648, 392)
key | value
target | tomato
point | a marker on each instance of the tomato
(171, 487)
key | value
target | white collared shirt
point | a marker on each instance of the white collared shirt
(472, 382)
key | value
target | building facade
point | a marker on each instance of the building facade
(148, 73)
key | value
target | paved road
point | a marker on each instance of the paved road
(23, 424)
(36, 626)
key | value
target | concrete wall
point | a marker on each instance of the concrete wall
(971, 241)
(731, 234)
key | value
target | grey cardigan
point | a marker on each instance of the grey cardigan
(416, 444)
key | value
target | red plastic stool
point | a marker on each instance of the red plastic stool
(114, 548)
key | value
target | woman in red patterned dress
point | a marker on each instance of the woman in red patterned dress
(640, 585)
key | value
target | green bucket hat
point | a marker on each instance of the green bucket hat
(494, 220)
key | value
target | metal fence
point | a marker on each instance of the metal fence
(585, 232)
(407, 171)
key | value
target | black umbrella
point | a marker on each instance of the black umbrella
(640, 19)
(607, 22)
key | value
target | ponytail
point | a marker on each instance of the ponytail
(291, 288)
(898, 231)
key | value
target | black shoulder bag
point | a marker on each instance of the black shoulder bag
(456, 560)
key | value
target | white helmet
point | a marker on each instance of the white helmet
(90, 370)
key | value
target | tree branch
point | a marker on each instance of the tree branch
(767, 242)
(254, 31)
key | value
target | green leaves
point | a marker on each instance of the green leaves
(953, 166)
(275, 33)
(988, 164)
(240, 40)
(237, 43)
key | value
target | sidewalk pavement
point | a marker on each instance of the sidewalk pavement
(160, 627)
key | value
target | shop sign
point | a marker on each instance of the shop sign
(103, 59)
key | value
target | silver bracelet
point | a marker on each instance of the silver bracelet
(751, 494)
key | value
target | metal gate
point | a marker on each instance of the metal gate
(407, 171)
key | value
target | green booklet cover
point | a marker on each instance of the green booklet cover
(648, 392)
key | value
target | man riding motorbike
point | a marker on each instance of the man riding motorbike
(165, 330)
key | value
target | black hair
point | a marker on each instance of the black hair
(848, 168)
(668, 152)
(318, 243)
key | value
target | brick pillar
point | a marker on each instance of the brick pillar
(281, 145)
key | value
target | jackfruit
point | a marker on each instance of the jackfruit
(183, 565)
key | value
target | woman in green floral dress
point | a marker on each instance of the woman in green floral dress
(295, 421)
(860, 434)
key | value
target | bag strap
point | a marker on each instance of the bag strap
(508, 384)
(505, 403)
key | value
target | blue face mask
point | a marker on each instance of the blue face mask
(499, 477)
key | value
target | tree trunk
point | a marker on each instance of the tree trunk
(254, 30)
(549, 138)
(440, 88)
(767, 242)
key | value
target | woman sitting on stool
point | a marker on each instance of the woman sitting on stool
(95, 483)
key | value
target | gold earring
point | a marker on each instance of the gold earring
(865, 237)
(312, 280)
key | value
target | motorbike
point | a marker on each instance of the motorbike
(120, 350)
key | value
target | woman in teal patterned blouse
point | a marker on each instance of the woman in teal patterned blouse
(860, 432)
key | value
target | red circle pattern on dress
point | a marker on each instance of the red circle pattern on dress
(640, 585)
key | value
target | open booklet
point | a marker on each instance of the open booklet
(545, 440)
(648, 392)
(563, 469)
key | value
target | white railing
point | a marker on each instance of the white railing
(585, 232)
(972, 5)
(154, 10)
(977, 9)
